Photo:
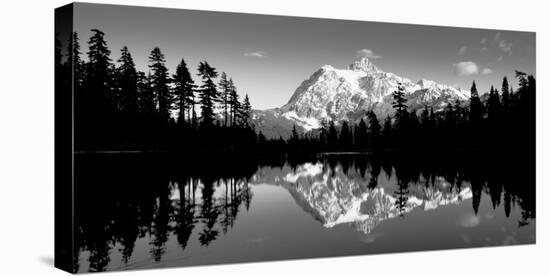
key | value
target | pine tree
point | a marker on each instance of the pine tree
(159, 82)
(332, 135)
(399, 101)
(493, 105)
(361, 133)
(345, 135)
(401, 114)
(146, 96)
(414, 126)
(387, 131)
(476, 107)
(374, 129)
(127, 81)
(74, 61)
(505, 95)
(225, 89)
(98, 81)
(294, 136)
(234, 103)
(246, 112)
(208, 93)
(183, 91)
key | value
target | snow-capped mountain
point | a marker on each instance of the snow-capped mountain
(346, 94)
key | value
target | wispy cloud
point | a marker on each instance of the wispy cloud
(483, 41)
(486, 71)
(256, 54)
(500, 58)
(505, 47)
(465, 68)
(368, 53)
(462, 50)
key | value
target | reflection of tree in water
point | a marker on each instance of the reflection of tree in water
(402, 191)
(185, 217)
(132, 198)
(160, 227)
(209, 212)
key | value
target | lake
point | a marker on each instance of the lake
(137, 211)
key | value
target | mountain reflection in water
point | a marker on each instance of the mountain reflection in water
(141, 211)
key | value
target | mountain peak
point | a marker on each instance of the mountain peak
(364, 64)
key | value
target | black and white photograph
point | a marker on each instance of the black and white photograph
(228, 138)
(289, 137)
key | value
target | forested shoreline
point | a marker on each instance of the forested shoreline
(119, 108)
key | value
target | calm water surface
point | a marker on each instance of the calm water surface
(136, 212)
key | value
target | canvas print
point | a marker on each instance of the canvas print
(188, 137)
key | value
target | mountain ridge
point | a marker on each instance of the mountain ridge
(333, 94)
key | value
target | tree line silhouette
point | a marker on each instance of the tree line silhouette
(118, 107)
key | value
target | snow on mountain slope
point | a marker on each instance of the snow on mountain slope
(347, 94)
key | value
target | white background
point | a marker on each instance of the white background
(27, 141)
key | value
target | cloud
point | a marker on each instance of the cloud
(462, 50)
(368, 54)
(483, 49)
(483, 40)
(257, 54)
(486, 71)
(505, 47)
(465, 68)
(500, 58)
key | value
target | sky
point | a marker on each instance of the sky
(269, 56)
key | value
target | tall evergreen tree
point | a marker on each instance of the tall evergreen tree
(401, 114)
(476, 107)
(146, 96)
(127, 80)
(225, 91)
(183, 91)
(387, 131)
(374, 129)
(160, 81)
(234, 103)
(345, 135)
(208, 93)
(399, 101)
(505, 90)
(361, 138)
(74, 61)
(493, 105)
(246, 112)
(332, 135)
(294, 136)
(98, 82)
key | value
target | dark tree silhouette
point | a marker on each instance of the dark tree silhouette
(345, 136)
(159, 83)
(234, 103)
(208, 93)
(373, 130)
(225, 91)
(183, 90)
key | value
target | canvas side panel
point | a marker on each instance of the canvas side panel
(64, 191)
